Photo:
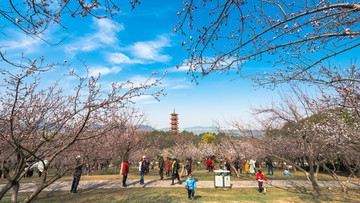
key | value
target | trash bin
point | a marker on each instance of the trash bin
(222, 178)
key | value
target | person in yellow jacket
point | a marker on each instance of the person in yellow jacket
(247, 166)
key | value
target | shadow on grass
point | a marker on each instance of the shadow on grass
(197, 197)
(149, 182)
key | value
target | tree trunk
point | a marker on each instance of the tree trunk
(234, 169)
(313, 178)
(121, 167)
(15, 192)
(182, 171)
(5, 189)
(334, 175)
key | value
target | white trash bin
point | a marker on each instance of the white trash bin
(222, 179)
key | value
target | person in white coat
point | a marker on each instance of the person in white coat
(252, 166)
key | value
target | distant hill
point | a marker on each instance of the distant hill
(146, 127)
(199, 128)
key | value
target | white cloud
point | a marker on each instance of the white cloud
(120, 58)
(103, 70)
(105, 35)
(183, 68)
(151, 50)
(23, 42)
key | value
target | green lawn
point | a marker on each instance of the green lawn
(201, 195)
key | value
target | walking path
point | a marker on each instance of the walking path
(102, 184)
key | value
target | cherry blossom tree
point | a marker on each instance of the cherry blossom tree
(39, 124)
(34, 17)
(243, 148)
(313, 131)
(128, 136)
(296, 38)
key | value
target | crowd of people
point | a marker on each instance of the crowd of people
(171, 168)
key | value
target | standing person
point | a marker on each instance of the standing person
(236, 164)
(228, 166)
(252, 166)
(175, 168)
(161, 167)
(190, 185)
(247, 167)
(77, 175)
(188, 167)
(212, 165)
(269, 164)
(167, 166)
(142, 169)
(125, 172)
(241, 166)
(208, 165)
(260, 178)
(147, 166)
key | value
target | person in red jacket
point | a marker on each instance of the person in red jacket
(260, 178)
(125, 172)
(208, 165)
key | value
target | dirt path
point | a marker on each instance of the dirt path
(102, 184)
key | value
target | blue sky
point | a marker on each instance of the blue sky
(131, 46)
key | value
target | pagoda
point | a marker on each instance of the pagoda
(174, 122)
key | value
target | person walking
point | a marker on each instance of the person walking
(269, 164)
(142, 169)
(260, 178)
(190, 185)
(175, 168)
(77, 175)
(188, 167)
(125, 171)
(161, 167)
(167, 166)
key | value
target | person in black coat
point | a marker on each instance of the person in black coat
(175, 171)
(269, 164)
(161, 167)
(77, 175)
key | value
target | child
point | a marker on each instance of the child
(260, 178)
(190, 185)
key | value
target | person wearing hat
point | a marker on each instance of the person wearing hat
(175, 168)
(161, 167)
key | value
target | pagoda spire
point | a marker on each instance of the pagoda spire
(174, 122)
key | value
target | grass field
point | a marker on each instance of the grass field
(201, 195)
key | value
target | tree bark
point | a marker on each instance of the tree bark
(333, 174)
(313, 177)
(5, 189)
(15, 192)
